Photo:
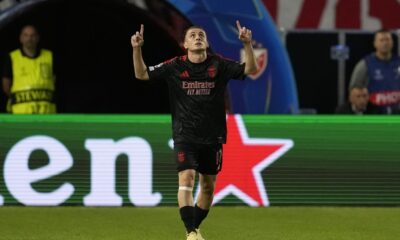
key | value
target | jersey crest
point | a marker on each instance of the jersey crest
(184, 74)
(212, 71)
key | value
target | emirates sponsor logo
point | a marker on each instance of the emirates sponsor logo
(197, 85)
(198, 88)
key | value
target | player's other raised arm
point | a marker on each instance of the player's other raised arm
(245, 36)
(140, 67)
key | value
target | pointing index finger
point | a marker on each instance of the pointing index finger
(238, 25)
(141, 29)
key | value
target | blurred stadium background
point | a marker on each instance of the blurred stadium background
(324, 176)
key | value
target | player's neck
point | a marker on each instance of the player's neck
(384, 56)
(197, 57)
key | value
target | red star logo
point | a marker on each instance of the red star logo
(243, 161)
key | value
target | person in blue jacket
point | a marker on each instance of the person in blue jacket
(380, 73)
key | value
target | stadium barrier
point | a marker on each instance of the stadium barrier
(125, 160)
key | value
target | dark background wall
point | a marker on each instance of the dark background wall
(316, 73)
(93, 54)
(91, 43)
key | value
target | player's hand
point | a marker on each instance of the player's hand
(137, 38)
(244, 33)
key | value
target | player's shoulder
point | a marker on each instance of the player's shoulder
(170, 61)
(183, 58)
(176, 60)
(166, 63)
(396, 57)
(221, 58)
(369, 56)
(216, 56)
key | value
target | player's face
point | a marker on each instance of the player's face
(196, 40)
(29, 37)
(383, 42)
(359, 98)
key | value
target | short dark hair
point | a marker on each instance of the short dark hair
(192, 27)
(384, 30)
(356, 87)
(209, 49)
(29, 25)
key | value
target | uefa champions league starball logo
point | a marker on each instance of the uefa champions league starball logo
(252, 156)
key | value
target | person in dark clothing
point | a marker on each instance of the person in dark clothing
(380, 73)
(197, 83)
(358, 103)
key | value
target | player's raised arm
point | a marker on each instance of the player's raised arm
(140, 67)
(249, 58)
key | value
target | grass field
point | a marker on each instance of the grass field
(274, 223)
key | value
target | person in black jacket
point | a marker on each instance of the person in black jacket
(358, 103)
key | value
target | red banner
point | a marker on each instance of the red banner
(335, 14)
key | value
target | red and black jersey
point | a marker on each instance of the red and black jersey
(196, 93)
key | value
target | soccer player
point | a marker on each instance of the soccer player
(197, 83)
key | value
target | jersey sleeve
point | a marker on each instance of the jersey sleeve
(232, 69)
(161, 70)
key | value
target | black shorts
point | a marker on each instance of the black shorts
(204, 158)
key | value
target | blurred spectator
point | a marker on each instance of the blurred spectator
(358, 103)
(28, 78)
(380, 73)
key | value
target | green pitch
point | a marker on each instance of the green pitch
(275, 223)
